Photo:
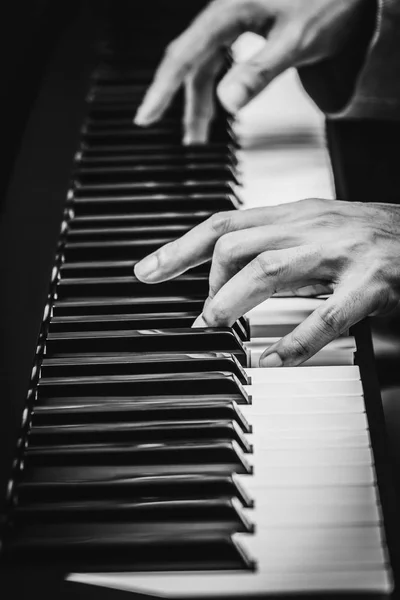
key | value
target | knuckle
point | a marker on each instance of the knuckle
(225, 249)
(174, 53)
(222, 222)
(266, 268)
(331, 320)
(299, 348)
(314, 203)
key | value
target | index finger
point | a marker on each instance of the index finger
(197, 245)
(211, 30)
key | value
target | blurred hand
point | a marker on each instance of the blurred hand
(350, 249)
(297, 32)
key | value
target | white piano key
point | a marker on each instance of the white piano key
(277, 310)
(306, 388)
(294, 374)
(262, 441)
(314, 405)
(309, 457)
(313, 552)
(284, 514)
(343, 343)
(240, 583)
(302, 425)
(303, 496)
(309, 476)
(339, 352)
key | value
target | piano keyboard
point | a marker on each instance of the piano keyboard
(160, 459)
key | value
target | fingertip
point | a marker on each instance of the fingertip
(232, 95)
(146, 269)
(142, 117)
(271, 360)
(200, 322)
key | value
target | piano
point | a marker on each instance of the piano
(146, 458)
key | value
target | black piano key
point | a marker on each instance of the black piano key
(170, 188)
(179, 219)
(126, 232)
(107, 268)
(158, 457)
(133, 136)
(135, 432)
(195, 285)
(222, 339)
(152, 201)
(226, 511)
(122, 546)
(150, 150)
(153, 384)
(142, 364)
(113, 249)
(219, 157)
(116, 322)
(135, 321)
(161, 173)
(117, 306)
(50, 485)
(77, 410)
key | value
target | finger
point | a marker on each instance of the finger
(261, 278)
(347, 305)
(247, 79)
(200, 101)
(197, 245)
(236, 249)
(210, 31)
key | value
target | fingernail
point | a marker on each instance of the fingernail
(146, 267)
(200, 322)
(272, 360)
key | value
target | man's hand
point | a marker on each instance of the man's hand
(297, 32)
(352, 249)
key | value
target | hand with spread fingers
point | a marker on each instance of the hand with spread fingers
(349, 249)
(296, 32)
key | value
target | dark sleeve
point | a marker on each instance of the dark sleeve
(363, 80)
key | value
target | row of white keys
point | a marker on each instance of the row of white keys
(316, 507)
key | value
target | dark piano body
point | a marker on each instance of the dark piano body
(126, 40)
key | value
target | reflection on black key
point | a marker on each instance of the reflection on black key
(108, 268)
(222, 339)
(134, 432)
(131, 174)
(194, 284)
(112, 249)
(50, 485)
(77, 410)
(142, 456)
(155, 384)
(107, 204)
(128, 305)
(136, 547)
(218, 511)
(142, 364)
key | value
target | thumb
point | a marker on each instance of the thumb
(247, 79)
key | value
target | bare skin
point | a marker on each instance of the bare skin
(349, 249)
(296, 32)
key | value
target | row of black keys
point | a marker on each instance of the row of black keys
(156, 436)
